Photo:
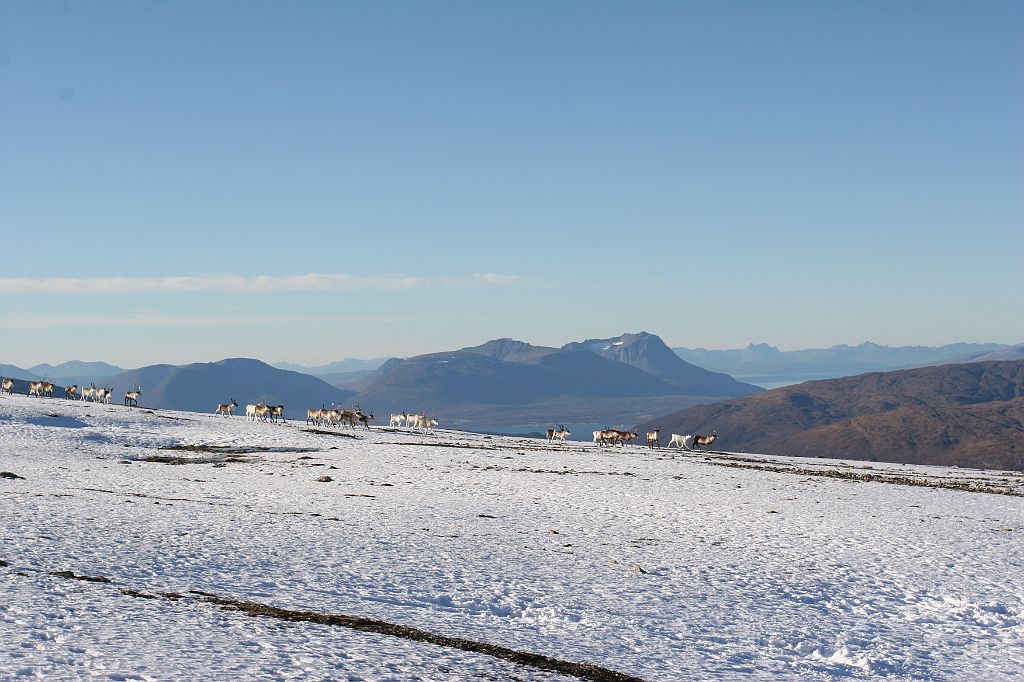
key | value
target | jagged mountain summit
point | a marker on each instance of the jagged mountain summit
(649, 353)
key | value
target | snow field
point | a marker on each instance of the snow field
(662, 567)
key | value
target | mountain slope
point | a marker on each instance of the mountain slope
(964, 414)
(200, 387)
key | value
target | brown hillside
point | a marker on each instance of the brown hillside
(969, 415)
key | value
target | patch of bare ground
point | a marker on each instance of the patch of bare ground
(74, 576)
(584, 671)
(218, 454)
(167, 459)
(863, 477)
(337, 434)
(233, 450)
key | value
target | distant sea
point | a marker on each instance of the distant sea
(778, 381)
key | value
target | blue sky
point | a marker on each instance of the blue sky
(309, 181)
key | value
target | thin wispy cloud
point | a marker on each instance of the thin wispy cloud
(236, 284)
(150, 320)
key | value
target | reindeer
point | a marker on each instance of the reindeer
(682, 441)
(706, 441)
(277, 411)
(88, 392)
(35, 388)
(620, 436)
(561, 433)
(398, 419)
(364, 419)
(106, 393)
(652, 438)
(226, 409)
(349, 417)
(69, 391)
(425, 422)
(257, 412)
(318, 416)
(131, 397)
(47, 389)
(7, 386)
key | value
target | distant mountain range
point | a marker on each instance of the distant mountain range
(962, 414)
(72, 372)
(76, 372)
(513, 385)
(760, 362)
(199, 387)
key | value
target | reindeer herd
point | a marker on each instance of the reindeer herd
(91, 393)
(328, 417)
(415, 422)
(336, 417)
(684, 441)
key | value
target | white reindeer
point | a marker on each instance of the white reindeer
(398, 419)
(258, 412)
(105, 394)
(423, 422)
(88, 392)
(131, 397)
(7, 386)
(226, 409)
(652, 438)
(682, 441)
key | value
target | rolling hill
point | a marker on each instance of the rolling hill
(960, 414)
(76, 372)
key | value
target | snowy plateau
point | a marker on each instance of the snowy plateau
(152, 544)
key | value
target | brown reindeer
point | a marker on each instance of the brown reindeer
(706, 441)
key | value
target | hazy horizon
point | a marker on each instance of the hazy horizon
(301, 183)
(272, 361)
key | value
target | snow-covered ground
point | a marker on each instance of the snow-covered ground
(662, 567)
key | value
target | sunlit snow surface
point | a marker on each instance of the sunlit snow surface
(665, 567)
